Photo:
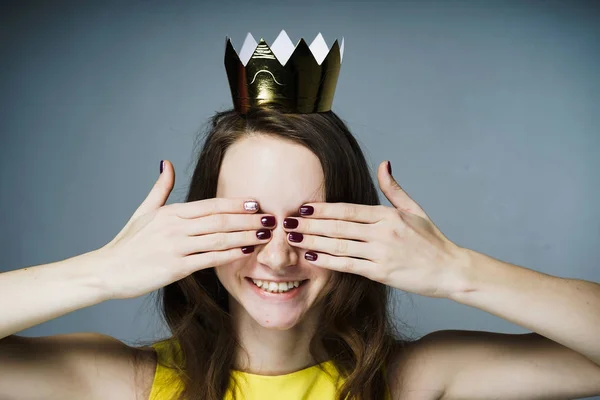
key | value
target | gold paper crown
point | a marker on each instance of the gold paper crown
(298, 79)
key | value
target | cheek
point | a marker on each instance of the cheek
(323, 274)
(326, 280)
(329, 279)
(219, 272)
(228, 274)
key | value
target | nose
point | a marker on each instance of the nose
(277, 254)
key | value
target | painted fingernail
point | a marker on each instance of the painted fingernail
(250, 205)
(263, 234)
(389, 167)
(162, 166)
(306, 210)
(310, 256)
(247, 249)
(268, 221)
(290, 223)
(295, 237)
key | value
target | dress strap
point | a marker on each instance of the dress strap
(166, 383)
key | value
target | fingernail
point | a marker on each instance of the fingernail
(250, 206)
(290, 223)
(263, 234)
(389, 167)
(306, 210)
(247, 249)
(162, 166)
(295, 237)
(310, 256)
(268, 221)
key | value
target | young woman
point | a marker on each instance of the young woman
(275, 275)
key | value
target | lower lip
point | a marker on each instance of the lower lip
(290, 294)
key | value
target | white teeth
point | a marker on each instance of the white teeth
(275, 287)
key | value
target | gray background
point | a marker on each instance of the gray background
(489, 112)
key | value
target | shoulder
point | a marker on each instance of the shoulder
(127, 370)
(113, 368)
(413, 372)
(423, 369)
(74, 365)
(110, 367)
(460, 364)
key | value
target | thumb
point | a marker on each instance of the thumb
(156, 198)
(160, 191)
(394, 192)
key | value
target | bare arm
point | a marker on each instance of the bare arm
(33, 295)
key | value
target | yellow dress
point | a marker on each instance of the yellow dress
(307, 384)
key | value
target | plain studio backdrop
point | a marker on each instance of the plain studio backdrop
(489, 112)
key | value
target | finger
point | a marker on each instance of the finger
(217, 205)
(342, 264)
(334, 228)
(224, 241)
(227, 223)
(345, 211)
(196, 262)
(336, 247)
(395, 194)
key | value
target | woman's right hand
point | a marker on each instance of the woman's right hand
(162, 244)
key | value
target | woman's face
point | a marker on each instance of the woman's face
(281, 176)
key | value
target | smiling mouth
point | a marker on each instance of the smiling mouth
(277, 287)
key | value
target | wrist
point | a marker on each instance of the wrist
(459, 273)
(88, 274)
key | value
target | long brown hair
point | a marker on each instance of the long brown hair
(355, 327)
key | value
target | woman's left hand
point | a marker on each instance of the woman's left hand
(398, 246)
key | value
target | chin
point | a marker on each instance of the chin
(276, 321)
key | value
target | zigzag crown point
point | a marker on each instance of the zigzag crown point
(283, 48)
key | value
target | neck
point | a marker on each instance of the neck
(271, 351)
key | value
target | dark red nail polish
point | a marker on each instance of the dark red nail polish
(290, 223)
(247, 249)
(389, 167)
(268, 221)
(295, 237)
(162, 166)
(310, 256)
(263, 234)
(306, 210)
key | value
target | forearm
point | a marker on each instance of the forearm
(32, 295)
(564, 310)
